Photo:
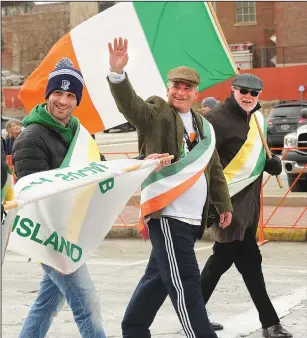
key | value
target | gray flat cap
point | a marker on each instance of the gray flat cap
(248, 81)
(184, 74)
(209, 102)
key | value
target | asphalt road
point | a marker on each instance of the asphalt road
(117, 267)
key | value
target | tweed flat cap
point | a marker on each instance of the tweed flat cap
(184, 74)
(248, 81)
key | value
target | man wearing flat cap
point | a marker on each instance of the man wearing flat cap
(243, 158)
(171, 126)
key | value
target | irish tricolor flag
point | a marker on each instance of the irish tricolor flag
(162, 35)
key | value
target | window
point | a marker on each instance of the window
(246, 11)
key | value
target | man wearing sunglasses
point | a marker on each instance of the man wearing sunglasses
(243, 159)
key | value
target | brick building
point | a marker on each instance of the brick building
(28, 37)
(28, 33)
(81, 11)
(291, 32)
(256, 22)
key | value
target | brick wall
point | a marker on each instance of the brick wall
(291, 32)
(7, 51)
(258, 33)
(29, 37)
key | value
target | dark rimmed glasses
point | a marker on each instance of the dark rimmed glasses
(244, 91)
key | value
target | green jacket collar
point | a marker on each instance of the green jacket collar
(40, 115)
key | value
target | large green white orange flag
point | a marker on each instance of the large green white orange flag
(162, 35)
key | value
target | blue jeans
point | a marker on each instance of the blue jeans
(79, 292)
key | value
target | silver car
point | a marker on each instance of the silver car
(295, 160)
(9, 78)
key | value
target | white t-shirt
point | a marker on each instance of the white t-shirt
(188, 207)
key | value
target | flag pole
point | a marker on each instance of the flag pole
(264, 142)
(15, 203)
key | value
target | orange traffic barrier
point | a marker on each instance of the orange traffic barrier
(297, 219)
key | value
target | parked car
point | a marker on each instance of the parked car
(124, 128)
(283, 119)
(9, 78)
(295, 160)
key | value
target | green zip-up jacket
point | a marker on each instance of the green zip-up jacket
(160, 130)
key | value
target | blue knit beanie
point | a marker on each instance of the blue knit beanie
(65, 77)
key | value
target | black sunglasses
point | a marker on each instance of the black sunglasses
(244, 91)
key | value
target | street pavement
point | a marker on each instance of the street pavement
(117, 266)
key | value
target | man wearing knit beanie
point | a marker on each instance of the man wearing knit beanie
(66, 78)
(207, 104)
(43, 145)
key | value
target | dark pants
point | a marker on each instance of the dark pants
(247, 258)
(172, 270)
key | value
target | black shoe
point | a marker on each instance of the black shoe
(217, 326)
(276, 331)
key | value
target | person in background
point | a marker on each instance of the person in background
(13, 128)
(207, 104)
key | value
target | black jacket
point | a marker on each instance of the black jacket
(9, 142)
(231, 126)
(38, 148)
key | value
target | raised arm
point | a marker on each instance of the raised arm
(137, 111)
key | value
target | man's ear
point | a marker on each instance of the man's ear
(196, 96)
(259, 94)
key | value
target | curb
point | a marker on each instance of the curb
(282, 235)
